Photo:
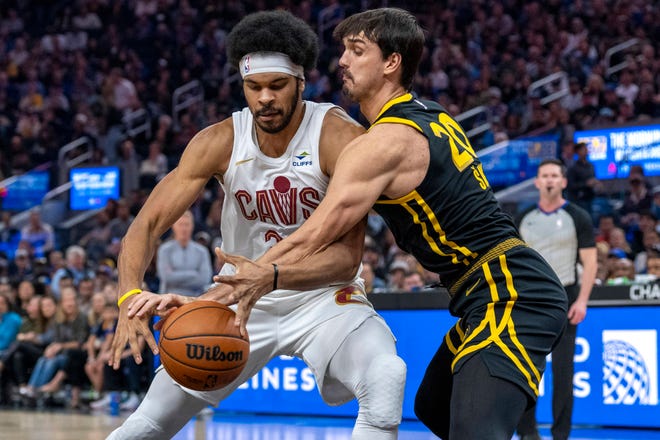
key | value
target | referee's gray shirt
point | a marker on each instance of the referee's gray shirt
(558, 236)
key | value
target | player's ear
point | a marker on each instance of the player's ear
(393, 62)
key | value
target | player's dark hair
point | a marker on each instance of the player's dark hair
(273, 31)
(557, 162)
(394, 31)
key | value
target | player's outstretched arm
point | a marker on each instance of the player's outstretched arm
(353, 189)
(390, 160)
(205, 156)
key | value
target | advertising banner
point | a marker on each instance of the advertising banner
(615, 381)
(613, 151)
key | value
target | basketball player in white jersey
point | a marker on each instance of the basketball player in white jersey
(274, 160)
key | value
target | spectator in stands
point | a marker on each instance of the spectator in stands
(85, 293)
(646, 104)
(396, 275)
(582, 182)
(651, 243)
(592, 94)
(412, 282)
(603, 250)
(184, 266)
(38, 234)
(98, 345)
(154, 167)
(95, 312)
(10, 322)
(21, 267)
(96, 240)
(638, 198)
(25, 291)
(317, 86)
(606, 224)
(573, 100)
(653, 264)
(655, 206)
(64, 357)
(105, 273)
(567, 153)
(372, 283)
(119, 225)
(9, 235)
(647, 222)
(129, 164)
(622, 272)
(618, 241)
(22, 354)
(627, 90)
(55, 261)
(372, 254)
(76, 269)
(119, 94)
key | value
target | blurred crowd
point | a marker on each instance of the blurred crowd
(76, 69)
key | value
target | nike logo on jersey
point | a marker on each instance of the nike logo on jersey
(469, 291)
(241, 162)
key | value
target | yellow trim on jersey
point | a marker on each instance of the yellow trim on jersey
(497, 328)
(459, 330)
(404, 202)
(391, 102)
(450, 344)
(401, 200)
(397, 120)
(499, 249)
(513, 294)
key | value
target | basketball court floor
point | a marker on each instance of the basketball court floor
(64, 425)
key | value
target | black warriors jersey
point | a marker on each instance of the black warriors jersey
(452, 219)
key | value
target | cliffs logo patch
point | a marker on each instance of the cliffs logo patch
(349, 295)
(630, 367)
(302, 159)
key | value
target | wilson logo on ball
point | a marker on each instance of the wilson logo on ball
(201, 348)
(212, 353)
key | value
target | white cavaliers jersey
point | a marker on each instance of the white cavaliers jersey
(268, 198)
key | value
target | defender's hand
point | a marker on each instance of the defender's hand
(250, 282)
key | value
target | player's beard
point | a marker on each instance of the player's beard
(273, 126)
(346, 90)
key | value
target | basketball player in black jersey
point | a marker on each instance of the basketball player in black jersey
(415, 165)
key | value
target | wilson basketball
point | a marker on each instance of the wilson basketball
(201, 348)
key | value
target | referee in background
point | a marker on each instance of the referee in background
(562, 232)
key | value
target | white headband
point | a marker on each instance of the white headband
(269, 62)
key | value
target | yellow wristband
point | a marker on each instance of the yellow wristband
(127, 294)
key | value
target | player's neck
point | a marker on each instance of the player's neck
(275, 144)
(371, 106)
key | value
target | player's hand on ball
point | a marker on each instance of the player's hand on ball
(128, 330)
(151, 304)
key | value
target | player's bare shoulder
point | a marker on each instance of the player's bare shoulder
(210, 149)
(402, 151)
(396, 142)
(339, 129)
